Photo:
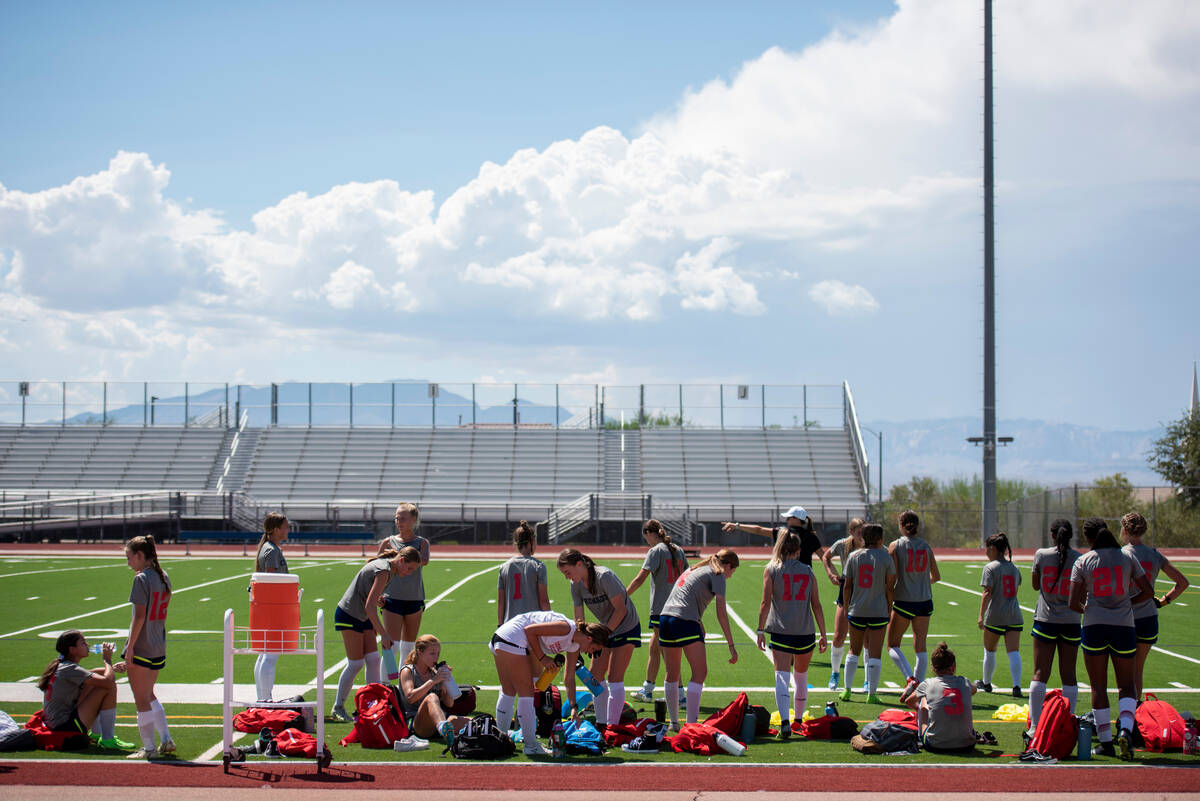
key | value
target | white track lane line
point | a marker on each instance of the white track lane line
(64, 570)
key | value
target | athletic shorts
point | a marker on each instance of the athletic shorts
(1147, 629)
(631, 636)
(1002, 629)
(911, 609)
(150, 662)
(1119, 641)
(653, 622)
(791, 643)
(344, 621)
(399, 607)
(864, 623)
(1056, 632)
(72, 724)
(841, 584)
(675, 632)
(498, 643)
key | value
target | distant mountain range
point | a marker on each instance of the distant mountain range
(1054, 454)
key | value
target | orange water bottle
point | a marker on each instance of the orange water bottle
(549, 674)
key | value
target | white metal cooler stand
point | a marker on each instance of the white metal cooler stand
(311, 641)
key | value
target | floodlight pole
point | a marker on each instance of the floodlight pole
(989, 520)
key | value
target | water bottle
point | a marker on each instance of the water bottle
(831, 709)
(585, 675)
(557, 745)
(1084, 748)
(451, 685)
(549, 674)
(97, 648)
(729, 745)
(389, 665)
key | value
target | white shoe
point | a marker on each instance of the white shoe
(644, 695)
(143, 753)
(166, 747)
(534, 748)
(410, 743)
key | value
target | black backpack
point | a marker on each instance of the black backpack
(481, 738)
(547, 704)
(891, 737)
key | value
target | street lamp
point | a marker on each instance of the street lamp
(878, 434)
(153, 398)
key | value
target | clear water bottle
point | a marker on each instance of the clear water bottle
(558, 741)
(451, 685)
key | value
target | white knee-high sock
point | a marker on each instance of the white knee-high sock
(989, 666)
(1071, 691)
(694, 690)
(874, 669)
(1126, 707)
(504, 711)
(901, 662)
(160, 720)
(801, 680)
(616, 701)
(406, 648)
(849, 670)
(601, 705)
(373, 662)
(671, 691)
(782, 694)
(145, 724)
(528, 718)
(922, 666)
(837, 653)
(107, 722)
(1037, 695)
(264, 675)
(346, 682)
(1103, 724)
(1014, 667)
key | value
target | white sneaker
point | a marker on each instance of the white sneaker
(143, 753)
(166, 747)
(534, 748)
(410, 743)
(644, 695)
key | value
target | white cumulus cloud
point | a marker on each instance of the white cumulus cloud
(838, 298)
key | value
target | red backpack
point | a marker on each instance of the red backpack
(380, 721)
(1057, 730)
(295, 743)
(1160, 725)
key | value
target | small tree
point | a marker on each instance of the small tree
(1176, 457)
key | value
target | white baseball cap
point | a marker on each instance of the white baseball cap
(797, 512)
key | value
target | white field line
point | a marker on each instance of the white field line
(219, 747)
(122, 606)
(741, 624)
(59, 570)
(1030, 611)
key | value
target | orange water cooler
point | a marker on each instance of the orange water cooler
(274, 612)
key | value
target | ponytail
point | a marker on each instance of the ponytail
(271, 522)
(65, 642)
(910, 524)
(1134, 524)
(855, 524)
(726, 557)
(145, 546)
(1060, 530)
(572, 556)
(656, 528)
(1095, 531)
(524, 538)
(407, 554)
(999, 541)
(787, 545)
(597, 631)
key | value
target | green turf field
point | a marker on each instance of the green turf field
(43, 597)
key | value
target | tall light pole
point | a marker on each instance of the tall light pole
(878, 434)
(989, 520)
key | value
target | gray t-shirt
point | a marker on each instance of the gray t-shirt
(1108, 576)
(1004, 607)
(1151, 561)
(1053, 599)
(410, 710)
(518, 580)
(599, 603)
(64, 693)
(839, 549)
(867, 572)
(791, 598)
(693, 592)
(149, 591)
(660, 561)
(270, 558)
(949, 700)
(412, 586)
(354, 601)
(912, 582)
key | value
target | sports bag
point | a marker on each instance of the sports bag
(828, 727)
(1057, 730)
(904, 717)
(255, 719)
(380, 721)
(295, 743)
(547, 704)
(481, 738)
(762, 720)
(1162, 727)
(52, 740)
(464, 704)
(890, 737)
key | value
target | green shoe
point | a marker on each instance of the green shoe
(845, 696)
(115, 742)
(872, 698)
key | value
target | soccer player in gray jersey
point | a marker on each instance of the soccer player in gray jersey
(269, 559)
(790, 602)
(664, 564)
(1106, 583)
(404, 596)
(867, 595)
(943, 706)
(916, 572)
(841, 624)
(1145, 614)
(603, 593)
(146, 647)
(681, 632)
(1000, 611)
(77, 699)
(357, 618)
(1055, 625)
(521, 586)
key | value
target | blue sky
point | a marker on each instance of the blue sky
(624, 193)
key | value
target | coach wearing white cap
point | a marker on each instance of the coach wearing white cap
(795, 519)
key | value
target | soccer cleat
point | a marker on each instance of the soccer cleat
(447, 732)
(166, 747)
(1017, 692)
(845, 696)
(114, 742)
(535, 749)
(1036, 758)
(1104, 749)
(339, 714)
(143, 753)
(272, 751)
(1125, 745)
(641, 745)
(866, 685)
(1027, 737)
(872, 698)
(644, 695)
(834, 678)
(785, 730)
(982, 686)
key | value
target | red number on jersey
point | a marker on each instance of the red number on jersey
(952, 703)
(1147, 566)
(516, 586)
(157, 610)
(866, 575)
(1049, 574)
(795, 587)
(918, 561)
(682, 577)
(1008, 586)
(672, 571)
(1107, 582)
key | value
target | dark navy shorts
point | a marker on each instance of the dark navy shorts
(653, 622)
(911, 609)
(864, 623)
(675, 632)
(841, 584)
(1002, 629)
(1147, 629)
(631, 636)
(1056, 632)
(791, 643)
(150, 662)
(1119, 641)
(399, 607)
(73, 724)
(344, 621)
